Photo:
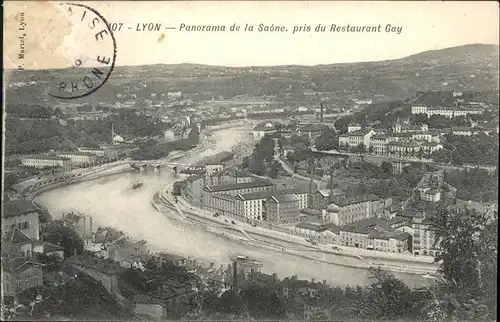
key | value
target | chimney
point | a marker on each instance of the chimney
(235, 275)
(84, 225)
(321, 112)
(90, 220)
(294, 277)
(275, 277)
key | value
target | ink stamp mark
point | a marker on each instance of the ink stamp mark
(90, 49)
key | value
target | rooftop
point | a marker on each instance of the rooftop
(311, 226)
(16, 236)
(361, 132)
(104, 266)
(333, 228)
(265, 127)
(365, 226)
(46, 157)
(358, 199)
(243, 185)
(298, 190)
(18, 264)
(432, 191)
(409, 214)
(333, 192)
(256, 195)
(283, 198)
(75, 153)
(18, 207)
(309, 211)
(216, 159)
(49, 247)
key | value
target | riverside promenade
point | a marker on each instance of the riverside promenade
(290, 243)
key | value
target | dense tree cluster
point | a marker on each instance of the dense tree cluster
(29, 111)
(153, 151)
(80, 298)
(474, 184)
(178, 187)
(383, 114)
(440, 121)
(469, 243)
(479, 149)
(327, 140)
(382, 182)
(259, 162)
(27, 136)
(60, 233)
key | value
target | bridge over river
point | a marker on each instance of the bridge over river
(157, 165)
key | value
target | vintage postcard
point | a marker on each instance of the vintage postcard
(250, 160)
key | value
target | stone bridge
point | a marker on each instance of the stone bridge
(157, 165)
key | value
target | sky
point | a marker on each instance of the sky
(50, 37)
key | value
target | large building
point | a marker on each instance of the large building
(356, 138)
(22, 214)
(20, 274)
(262, 130)
(424, 240)
(282, 209)
(447, 111)
(252, 206)
(195, 184)
(320, 199)
(343, 211)
(79, 158)
(47, 161)
(97, 151)
(302, 194)
(240, 188)
(376, 234)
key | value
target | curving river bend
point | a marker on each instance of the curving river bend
(111, 202)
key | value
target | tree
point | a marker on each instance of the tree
(361, 148)
(468, 240)
(389, 298)
(327, 140)
(275, 168)
(178, 187)
(56, 232)
(386, 167)
(262, 302)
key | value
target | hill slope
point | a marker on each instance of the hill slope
(467, 68)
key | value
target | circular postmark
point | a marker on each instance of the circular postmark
(90, 53)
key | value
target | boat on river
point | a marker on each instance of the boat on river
(137, 185)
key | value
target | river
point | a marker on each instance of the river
(111, 202)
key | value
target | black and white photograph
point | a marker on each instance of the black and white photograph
(250, 160)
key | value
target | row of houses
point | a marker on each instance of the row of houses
(310, 129)
(403, 139)
(22, 247)
(407, 232)
(70, 159)
(255, 201)
(447, 111)
(65, 160)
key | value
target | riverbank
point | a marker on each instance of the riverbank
(32, 191)
(33, 187)
(272, 240)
